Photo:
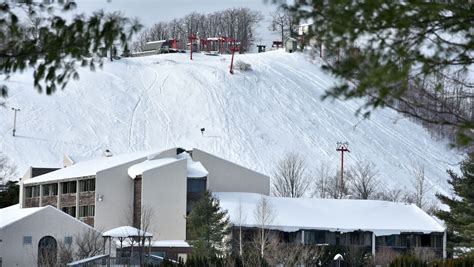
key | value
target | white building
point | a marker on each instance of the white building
(373, 225)
(114, 191)
(28, 236)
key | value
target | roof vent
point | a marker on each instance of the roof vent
(108, 153)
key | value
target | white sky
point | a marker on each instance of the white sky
(152, 11)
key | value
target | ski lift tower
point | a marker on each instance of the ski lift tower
(234, 47)
(191, 38)
(342, 147)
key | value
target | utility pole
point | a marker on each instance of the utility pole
(342, 147)
(14, 119)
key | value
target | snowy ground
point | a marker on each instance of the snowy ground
(251, 118)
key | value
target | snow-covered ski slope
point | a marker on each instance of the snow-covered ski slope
(252, 118)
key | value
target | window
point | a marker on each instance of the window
(86, 211)
(69, 187)
(27, 240)
(425, 240)
(87, 185)
(314, 237)
(68, 240)
(32, 191)
(70, 210)
(196, 185)
(50, 189)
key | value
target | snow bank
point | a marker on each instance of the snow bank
(344, 215)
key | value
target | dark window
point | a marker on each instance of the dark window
(69, 187)
(68, 240)
(32, 191)
(70, 210)
(86, 211)
(390, 240)
(50, 189)
(196, 185)
(314, 237)
(27, 240)
(425, 240)
(87, 185)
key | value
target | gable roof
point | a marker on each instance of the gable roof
(89, 167)
(344, 215)
(10, 215)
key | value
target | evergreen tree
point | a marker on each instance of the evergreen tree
(9, 194)
(208, 227)
(460, 217)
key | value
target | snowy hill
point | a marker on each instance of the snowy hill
(251, 118)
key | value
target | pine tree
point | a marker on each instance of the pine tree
(9, 194)
(208, 227)
(460, 217)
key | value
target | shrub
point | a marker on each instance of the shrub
(242, 66)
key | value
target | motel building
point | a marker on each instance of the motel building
(115, 191)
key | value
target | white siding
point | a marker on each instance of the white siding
(225, 176)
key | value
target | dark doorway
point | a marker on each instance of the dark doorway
(47, 251)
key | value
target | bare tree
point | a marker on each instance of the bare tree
(364, 182)
(65, 253)
(392, 194)
(420, 186)
(88, 243)
(290, 178)
(238, 23)
(283, 23)
(323, 176)
(7, 169)
(142, 219)
(264, 215)
(241, 219)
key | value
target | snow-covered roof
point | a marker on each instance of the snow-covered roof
(170, 243)
(13, 207)
(156, 42)
(10, 215)
(77, 159)
(344, 215)
(140, 168)
(125, 231)
(195, 168)
(89, 167)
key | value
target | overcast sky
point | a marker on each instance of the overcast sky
(152, 11)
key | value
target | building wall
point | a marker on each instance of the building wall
(115, 188)
(225, 176)
(46, 222)
(164, 189)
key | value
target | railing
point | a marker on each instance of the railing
(99, 260)
(105, 260)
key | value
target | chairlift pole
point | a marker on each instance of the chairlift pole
(342, 147)
(14, 119)
(191, 38)
(233, 49)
